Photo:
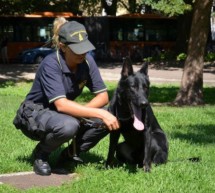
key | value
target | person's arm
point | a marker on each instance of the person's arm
(72, 108)
(100, 100)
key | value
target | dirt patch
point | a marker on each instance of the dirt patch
(26, 180)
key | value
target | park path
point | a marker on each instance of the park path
(110, 72)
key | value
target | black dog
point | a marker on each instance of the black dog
(145, 142)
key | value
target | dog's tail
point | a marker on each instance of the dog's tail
(191, 159)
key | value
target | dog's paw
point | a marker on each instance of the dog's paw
(109, 164)
(112, 163)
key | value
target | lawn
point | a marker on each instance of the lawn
(190, 131)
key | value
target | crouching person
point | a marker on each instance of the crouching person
(49, 113)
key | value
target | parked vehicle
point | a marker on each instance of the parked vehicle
(36, 55)
(114, 37)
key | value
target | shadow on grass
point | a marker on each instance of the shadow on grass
(6, 83)
(199, 134)
(160, 94)
(87, 157)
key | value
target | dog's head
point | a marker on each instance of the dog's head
(133, 90)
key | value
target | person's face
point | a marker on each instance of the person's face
(71, 58)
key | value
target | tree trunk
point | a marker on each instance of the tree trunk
(191, 89)
(110, 6)
(132, 6)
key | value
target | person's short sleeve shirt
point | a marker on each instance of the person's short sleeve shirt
(54, 80)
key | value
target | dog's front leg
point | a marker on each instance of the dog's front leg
(147, 146)
(114, 138)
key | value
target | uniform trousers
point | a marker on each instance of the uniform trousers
(60, 128)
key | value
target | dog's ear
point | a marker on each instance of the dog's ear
(127, 68)
(144, 68)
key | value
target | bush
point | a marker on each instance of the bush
(210, 56)
(181, 57)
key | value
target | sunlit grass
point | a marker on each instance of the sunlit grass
(190, 131)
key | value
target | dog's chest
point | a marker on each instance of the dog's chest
(133, 137)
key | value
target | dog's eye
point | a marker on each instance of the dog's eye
(133, 86)
(145, 89)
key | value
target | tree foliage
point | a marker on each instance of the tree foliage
(89, 7)
(169, 7)
(28, 6)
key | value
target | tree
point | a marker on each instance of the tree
(191, 89)
(110, 6)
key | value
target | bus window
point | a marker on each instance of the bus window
(44, 33)
(156, 35)
(120, 34)
(135, 35)
(7, 30)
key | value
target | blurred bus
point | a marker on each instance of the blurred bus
(27, 31)
(137, 35)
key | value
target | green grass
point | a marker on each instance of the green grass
(190, 131)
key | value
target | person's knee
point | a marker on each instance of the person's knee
(68, 129)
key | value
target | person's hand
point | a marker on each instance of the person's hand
(109, 120)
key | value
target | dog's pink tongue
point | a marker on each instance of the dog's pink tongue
(138, 124)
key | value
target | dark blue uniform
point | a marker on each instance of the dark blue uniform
(54, 80)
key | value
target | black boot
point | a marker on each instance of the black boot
(41, 165)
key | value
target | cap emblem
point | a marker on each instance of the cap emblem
(80, 37)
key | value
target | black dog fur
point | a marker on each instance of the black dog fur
(129, 103)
